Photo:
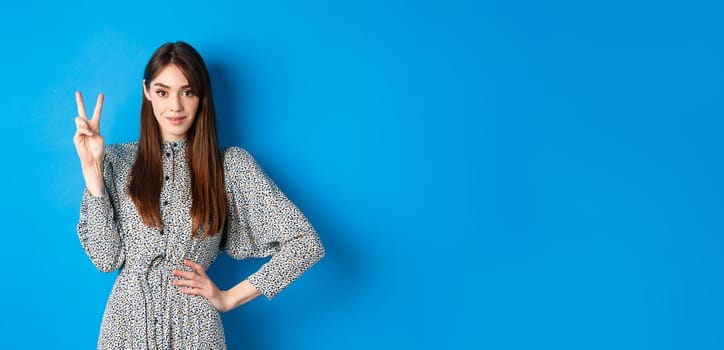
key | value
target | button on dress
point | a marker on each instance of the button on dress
(145, 310)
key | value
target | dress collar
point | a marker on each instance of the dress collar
(174, 145)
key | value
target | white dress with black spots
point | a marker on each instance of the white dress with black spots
(145, 310)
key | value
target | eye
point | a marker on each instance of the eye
(188, 93)
(161, 93)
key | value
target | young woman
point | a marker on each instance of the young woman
(160, 209)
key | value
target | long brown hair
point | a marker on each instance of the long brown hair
(208, 196)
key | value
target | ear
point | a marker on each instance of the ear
(146, 93)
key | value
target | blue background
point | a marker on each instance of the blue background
(483, 174)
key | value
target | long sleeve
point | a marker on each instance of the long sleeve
(97, 228)
(263, 222)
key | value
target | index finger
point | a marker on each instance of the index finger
(192, 264)
(79, 102)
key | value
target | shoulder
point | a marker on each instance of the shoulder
(235, 156)
(240, 162)
(233, 151)
(121, 152)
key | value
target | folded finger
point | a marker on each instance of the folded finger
(82, 125)
(84, 131)
(80, 122)
(81, 137)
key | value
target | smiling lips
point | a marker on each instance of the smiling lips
(176, 120)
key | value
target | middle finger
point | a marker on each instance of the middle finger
(97, 110)
(185, 274)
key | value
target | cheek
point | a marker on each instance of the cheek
(193, 106)
(157, 107)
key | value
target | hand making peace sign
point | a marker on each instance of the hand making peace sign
(88, 140)
(89, 144)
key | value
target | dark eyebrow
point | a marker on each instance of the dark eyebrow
(168, 87)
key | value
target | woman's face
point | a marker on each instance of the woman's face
(174, 103)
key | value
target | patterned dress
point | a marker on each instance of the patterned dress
(145, 310)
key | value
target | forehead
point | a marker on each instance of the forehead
(170, 76)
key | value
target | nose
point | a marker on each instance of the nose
(175, 104)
